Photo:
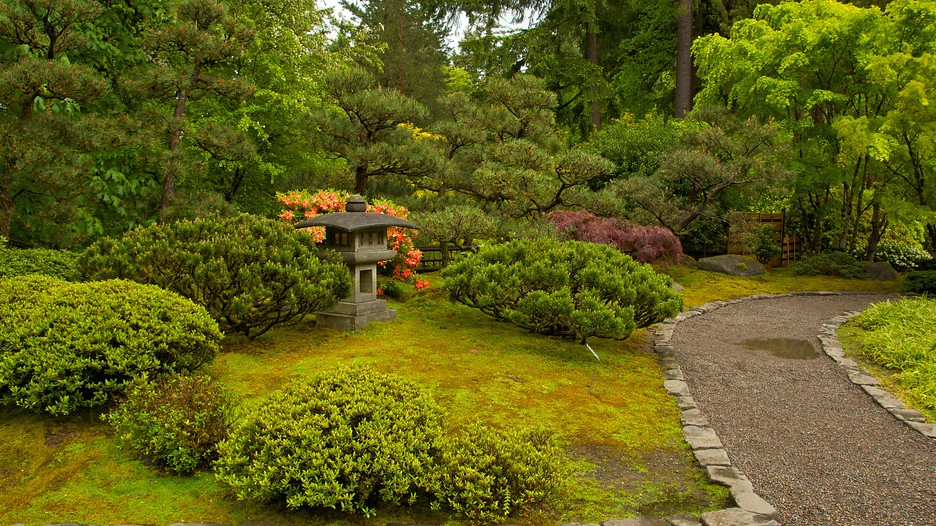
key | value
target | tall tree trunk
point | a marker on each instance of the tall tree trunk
(175, 141)
(683, 99)
(6, 200)
(360, 179)
(591, 41)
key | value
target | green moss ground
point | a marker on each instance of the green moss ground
(617, 423)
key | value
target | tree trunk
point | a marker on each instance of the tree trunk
(591, 40)
(6, 201)
(360, 179)
(175, 141)
(683, 99)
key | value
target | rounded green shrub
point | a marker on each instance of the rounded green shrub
(21, 261)
(250, 273)
(920, 281)
(486, 474)
(69, 345)
(571, 289)
(840, 264)
(349, 439)
(174, 422)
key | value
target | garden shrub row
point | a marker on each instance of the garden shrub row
(65, 346)
(250, 273)
(22, 261)
(920, 282)
(570, 289)
(352, 439)
(173, 422)
(840, 264)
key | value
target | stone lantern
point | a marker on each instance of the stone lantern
(361, 239)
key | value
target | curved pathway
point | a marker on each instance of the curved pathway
(814, 445)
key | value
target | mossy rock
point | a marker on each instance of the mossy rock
(732, 264)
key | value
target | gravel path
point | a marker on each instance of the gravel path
(812, 443)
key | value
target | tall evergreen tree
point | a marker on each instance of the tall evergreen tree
(192, 46)
(42, 128)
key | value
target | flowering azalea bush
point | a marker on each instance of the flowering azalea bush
(300, 205)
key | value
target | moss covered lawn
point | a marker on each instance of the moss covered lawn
(615, 420)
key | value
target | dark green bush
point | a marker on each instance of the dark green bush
(175, 422)
(840, 264)
(571, 289)
(486, 474)
(250, 273)
(69, 345)
(920, 281)
(349, 439)
(57, 263)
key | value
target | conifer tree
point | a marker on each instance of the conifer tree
(42, 136)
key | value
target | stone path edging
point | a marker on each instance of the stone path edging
(833, 348)
(752, 509)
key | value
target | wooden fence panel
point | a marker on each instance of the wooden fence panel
(744, 223)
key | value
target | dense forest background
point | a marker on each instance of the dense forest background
(660, 112)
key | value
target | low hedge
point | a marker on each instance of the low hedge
(65, 345)
(349, 440)
(570, 289)
(61, 264)
(174, 422)
(250, 273)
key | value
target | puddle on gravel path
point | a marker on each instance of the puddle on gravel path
(783, 347)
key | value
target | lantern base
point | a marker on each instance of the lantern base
(347, 316)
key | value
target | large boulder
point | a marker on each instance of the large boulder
(732, 264)
(881, 270)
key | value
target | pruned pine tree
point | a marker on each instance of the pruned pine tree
(42, 128)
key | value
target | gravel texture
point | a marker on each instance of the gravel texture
(813, 444)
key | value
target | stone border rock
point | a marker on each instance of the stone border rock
(753, 510)
(833, 348)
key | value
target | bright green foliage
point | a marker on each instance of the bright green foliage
(250, 273)
(174, 422)
(840, 264)
(900, 337)
(57, 263)
(853, 86)
(487, 474)
(570, 289)
(920, 281)
(65, 345)
(347, 440)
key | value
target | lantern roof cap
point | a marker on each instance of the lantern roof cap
(355, 218)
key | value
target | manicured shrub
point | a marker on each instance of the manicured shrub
(250, 273)
(19, 261)
(174, 422)
(920, 281)
(646, 244)
(570, 289)
(830, 264)
(349, 439)
(65, 345)
(486, 474)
